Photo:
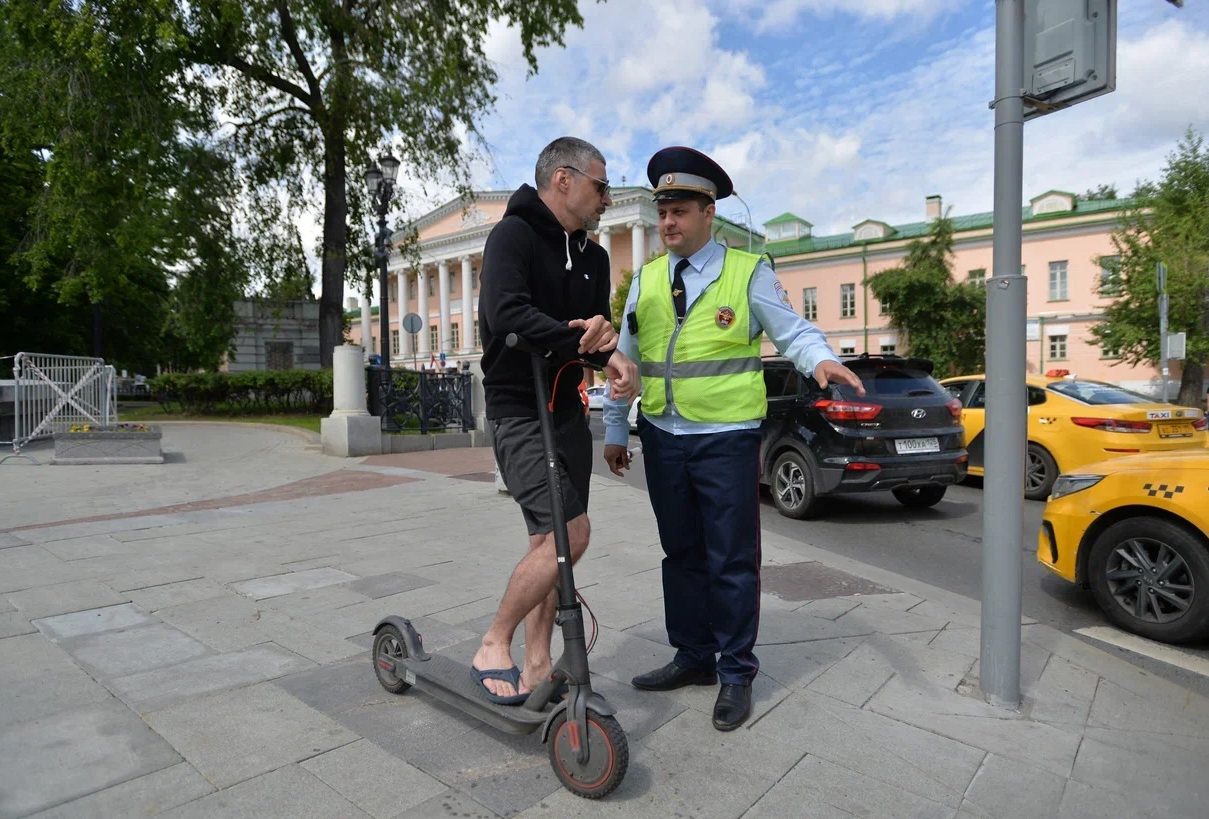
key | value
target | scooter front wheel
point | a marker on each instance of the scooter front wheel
(388, 650)
(606, 764)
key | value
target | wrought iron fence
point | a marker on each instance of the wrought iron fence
(425, 401)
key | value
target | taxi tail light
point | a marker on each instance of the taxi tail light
(1114, 425)
(847, 410)
(1200, 424)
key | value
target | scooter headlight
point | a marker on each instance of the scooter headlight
(1070, 484)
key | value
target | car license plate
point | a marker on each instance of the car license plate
(907, 446)
(1175, 430)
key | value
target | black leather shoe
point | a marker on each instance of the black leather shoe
(671, 677)
(733, 707)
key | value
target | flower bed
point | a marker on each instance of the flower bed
(114, 444)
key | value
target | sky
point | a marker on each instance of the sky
(834, 110)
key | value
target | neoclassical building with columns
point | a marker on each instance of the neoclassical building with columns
(443, 286)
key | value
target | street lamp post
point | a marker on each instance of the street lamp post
(380, 182)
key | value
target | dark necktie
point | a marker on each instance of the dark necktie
(678, 296)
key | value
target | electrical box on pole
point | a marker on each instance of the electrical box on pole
(1070, 53)
(1177, 346)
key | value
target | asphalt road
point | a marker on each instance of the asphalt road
(942, 546)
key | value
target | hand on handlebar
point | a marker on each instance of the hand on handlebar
(599, 335)
(622, 373)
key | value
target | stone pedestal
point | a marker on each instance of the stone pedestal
(350, 431)
(121, 444)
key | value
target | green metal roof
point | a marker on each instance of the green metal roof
(787, 217)
(913, 230)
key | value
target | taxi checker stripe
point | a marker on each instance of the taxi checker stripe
(700, 369)
(1168, 492)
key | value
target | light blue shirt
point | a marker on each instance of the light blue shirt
(795, 337)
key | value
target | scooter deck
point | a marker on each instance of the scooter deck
(453, 682)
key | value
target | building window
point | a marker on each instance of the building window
(977, 276)
(454, 337)
(883, 307)
(1110, 277)
(1057, 348)
(279, 355)
(394, 293)
(847, 349)
(889, 349)
(1108, 350)
(474, 280)
(847, 300)
(434, 338)
(810, 303)
(431, 286)
(394, 342)
(475, 341)
(1057, 281)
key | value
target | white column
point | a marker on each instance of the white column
(348, 381)
(404, 336)
(366, 332)
(605, 238)
(422, 309)
(638, 246)
(468, 340)
(443, 293)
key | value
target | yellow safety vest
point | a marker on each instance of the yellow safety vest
(715, 374)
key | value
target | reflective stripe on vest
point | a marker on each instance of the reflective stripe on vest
(715, 373)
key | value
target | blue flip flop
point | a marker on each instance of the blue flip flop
(508, 675)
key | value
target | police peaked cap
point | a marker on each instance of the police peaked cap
(679, 172)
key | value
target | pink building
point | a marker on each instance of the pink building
(1064, 240)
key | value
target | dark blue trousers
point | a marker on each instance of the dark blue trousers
(705, 493)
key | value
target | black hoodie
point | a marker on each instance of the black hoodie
(528, 289)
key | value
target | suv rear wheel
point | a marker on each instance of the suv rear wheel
(793, 489)
(919, 497)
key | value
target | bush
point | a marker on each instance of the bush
(247, 393)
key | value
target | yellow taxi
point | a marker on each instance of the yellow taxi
(1136, 530)
(1074, 421)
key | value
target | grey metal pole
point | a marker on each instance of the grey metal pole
(1003, 486)
(1160, 275)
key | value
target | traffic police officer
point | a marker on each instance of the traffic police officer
(693, 320)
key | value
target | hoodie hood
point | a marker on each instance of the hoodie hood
(526, 204)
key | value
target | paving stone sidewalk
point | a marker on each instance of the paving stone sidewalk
(191, 639)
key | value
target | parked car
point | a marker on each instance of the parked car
(1136, 531)
(904, 435)
(1073, 421)
(596, 396)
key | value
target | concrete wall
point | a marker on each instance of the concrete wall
(261, 326)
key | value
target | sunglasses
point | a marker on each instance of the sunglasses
(602, 185)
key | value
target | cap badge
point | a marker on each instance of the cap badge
(725, 317)
(669, 179)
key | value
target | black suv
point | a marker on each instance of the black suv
(904, 435)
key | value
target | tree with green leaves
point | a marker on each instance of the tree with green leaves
(314, 87)
(1169, 223)
(130, 203)
(942, 320)
(617, 302)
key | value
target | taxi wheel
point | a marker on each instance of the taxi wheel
(1151, 577)
(1040, 472)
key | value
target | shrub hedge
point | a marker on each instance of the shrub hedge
(247, 393)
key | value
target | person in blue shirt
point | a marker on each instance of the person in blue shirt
(693, 321)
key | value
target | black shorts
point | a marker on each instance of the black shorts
(522, 461)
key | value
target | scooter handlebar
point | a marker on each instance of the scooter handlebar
(516, 342)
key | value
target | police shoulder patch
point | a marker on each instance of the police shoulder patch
(779, 289)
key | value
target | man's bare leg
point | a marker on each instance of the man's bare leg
(530, 592)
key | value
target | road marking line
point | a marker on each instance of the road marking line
(1148, 648)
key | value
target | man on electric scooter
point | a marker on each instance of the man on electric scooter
(545, 280)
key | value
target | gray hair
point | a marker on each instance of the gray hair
(564, 152)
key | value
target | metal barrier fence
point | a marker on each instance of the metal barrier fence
(52, 392)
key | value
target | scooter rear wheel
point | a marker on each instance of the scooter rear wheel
(388, 649)
(607, 763)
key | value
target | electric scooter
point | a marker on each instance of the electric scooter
(586, 745)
